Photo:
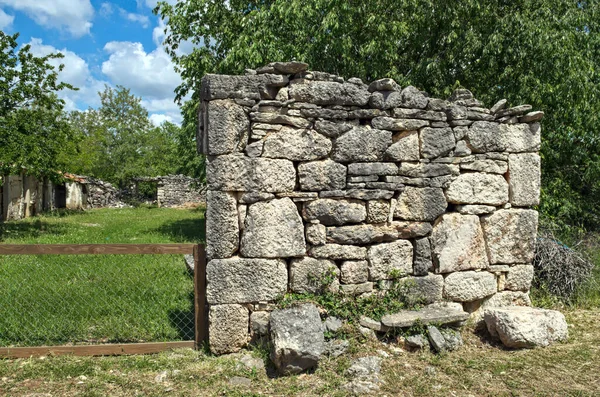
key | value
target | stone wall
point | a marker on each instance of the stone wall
(309, 174)
(176, 190)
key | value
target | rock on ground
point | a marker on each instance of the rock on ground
(525, 327)
(297, 337)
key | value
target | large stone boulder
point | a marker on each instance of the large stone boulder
(329, 93)
(469, 286)
(297, 337)
(404, 148)
(478, 188)
(458, 243)
(335, 212)
(244, 280)
(296, 145)
(313, 275)
(223, 224)
(227, 328)
(273, 229)
(227, 127)
(362, 143)
(524, 179)
(234, 172)
(510, 235)
(485, 136)
(322, 175)
(420, 204)
(436, 142)
(384, 259)
(522, 327)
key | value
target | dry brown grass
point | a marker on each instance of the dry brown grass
(480, 368)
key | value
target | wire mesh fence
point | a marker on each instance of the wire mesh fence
(95, 299)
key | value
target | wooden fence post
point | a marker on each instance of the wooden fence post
(201, 325)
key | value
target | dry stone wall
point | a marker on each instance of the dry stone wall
(309, 174)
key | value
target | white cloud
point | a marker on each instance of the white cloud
(130, 16)
(150, 75)
(75, 16)
(5, 20)
(158, 119)
(106, 9)
(75, 72)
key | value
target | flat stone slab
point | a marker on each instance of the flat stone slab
(427, 315)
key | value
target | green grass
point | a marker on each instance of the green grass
(57, 299)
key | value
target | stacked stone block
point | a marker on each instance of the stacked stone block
(310, 175)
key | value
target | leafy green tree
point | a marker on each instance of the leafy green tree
(33, 129)
(542, 52)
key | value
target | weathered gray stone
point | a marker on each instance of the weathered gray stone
(367, 234)
(462, 149)
(375, 325)
(519, 278)
(437, 104)
(297, 337)
(363, 178)
(444, 340)
(385, 99)
(372, 169)
(392, 124)
(485, 136)
(419, 114)
(525, 327)
(378, 211)
(362, 143)
(273, 229)
(319, 113)
(431, 314)
(524, 179)
(254, 149)
(299, 196)
(331, 129)
(478, 188)
(469, 286)
(458, 243)
(413, 98)
(296, 144)
(243, 280)
(489, 166)
(338, 252)
(215, 86)
(356, 289)
(259, 323)
(364, 375)
(276, 118)
(420, 204)
(514, 111)
(227, 328)
(222, 225)
(332, 324)
(475, 209)
(425, 290)
(322, 175)
(510, 235)
(335, 212)
(316, 233)
(289, 67)
(474, 115)
(404, 148)
(336, 347)
(416, 342)
(498, 106)
(366, 113)
(253, 197)
(358, 194)
(436, 142)
(354, 272)
(328, 93)
(531, 117)
(422, 262)
(386, 84)
(313, 275)
(240, 173)
(228, 127)
(420, 170)
(386, 258)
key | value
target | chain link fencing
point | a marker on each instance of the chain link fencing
(95, 299)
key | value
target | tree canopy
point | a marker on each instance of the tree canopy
(542, 52)
(33, 131)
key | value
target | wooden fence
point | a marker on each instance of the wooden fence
(200, 323)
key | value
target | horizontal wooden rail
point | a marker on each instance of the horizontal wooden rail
(93, 350)
(95, 249)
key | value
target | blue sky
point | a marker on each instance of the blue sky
(104, 42)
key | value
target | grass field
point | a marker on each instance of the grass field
(98, 298)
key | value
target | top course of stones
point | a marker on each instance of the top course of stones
(309, 173)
